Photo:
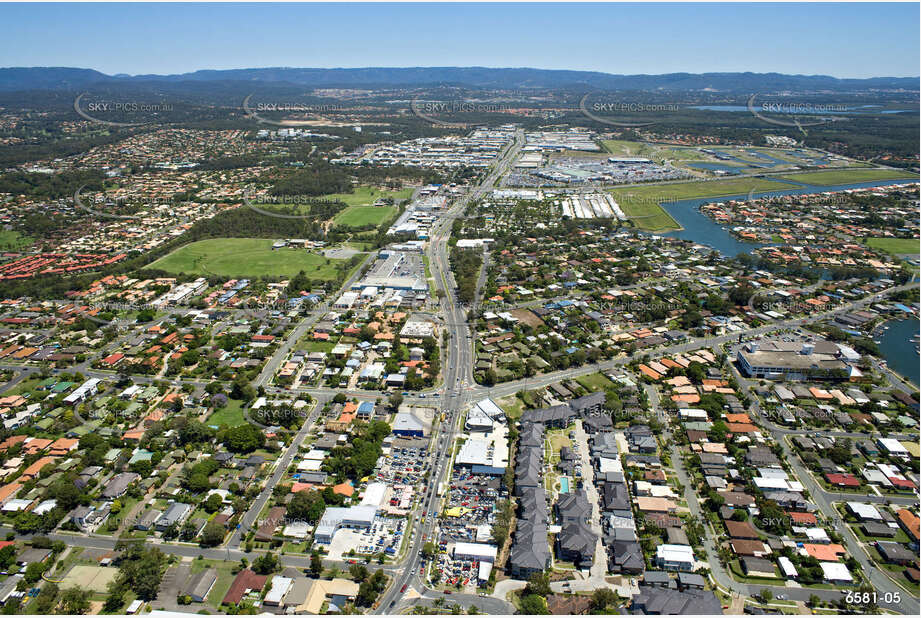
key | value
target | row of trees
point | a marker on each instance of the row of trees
(466, 265)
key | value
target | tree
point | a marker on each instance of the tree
(141, 569)
(696, 372)
(266, 564)
(366, 594)
(613, 403)
(67, 494)
(213, 503)
(188, 531)
(27, 523)
(718, 432)
(429, 550)
(115, 601)
(741, 294)
(539, 584)
(533, 605)
(307, 506)
(242, 390)
(75, 600)
(45, 601)
(244, 438)
(7, 557)
(603, 598)
(213, 534)
(773, 518)
(766, 595)
(359, 572)
(33, 572)
(194, 432)
(316, 564)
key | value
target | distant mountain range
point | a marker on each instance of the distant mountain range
(64, 78)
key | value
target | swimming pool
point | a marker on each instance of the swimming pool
(564, 485)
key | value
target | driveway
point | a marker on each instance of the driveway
(171, 586)
(507, 585)
(600, 562)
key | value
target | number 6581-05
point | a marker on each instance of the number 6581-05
(868, 598)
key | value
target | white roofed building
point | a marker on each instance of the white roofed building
(334, 518)
(835, 572)
(675, 557)
(374, 494)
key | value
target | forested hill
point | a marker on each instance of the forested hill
(64, 78)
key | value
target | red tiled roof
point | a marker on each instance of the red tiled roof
(245, 580)
(824, 552)
(803, 518)
(843, 480)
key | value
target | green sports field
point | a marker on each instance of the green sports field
(359, 216)
(843, 177)
(11, 240)
(246, 257)
(895, 246)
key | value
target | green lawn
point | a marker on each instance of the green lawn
(359, 216)
(361, 245)
(737, 574)
(641, 203)
(312, 345)
(230, 415)
(246, 257)
(27, 386)
(365, 196)
(895, 246)
(11, 240)
(127, 504)
(622, 147)
(646, 215)
(710, 188)
(558, 439)
(840, 177)
(512, 406)
(595, 382)
(684, 154)
(656, 152)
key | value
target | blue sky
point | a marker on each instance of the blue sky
(843, 40)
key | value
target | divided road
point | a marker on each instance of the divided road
(458, 380)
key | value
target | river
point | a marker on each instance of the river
(897, 347)
(701, 229)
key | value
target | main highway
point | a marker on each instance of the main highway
(458, 380)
